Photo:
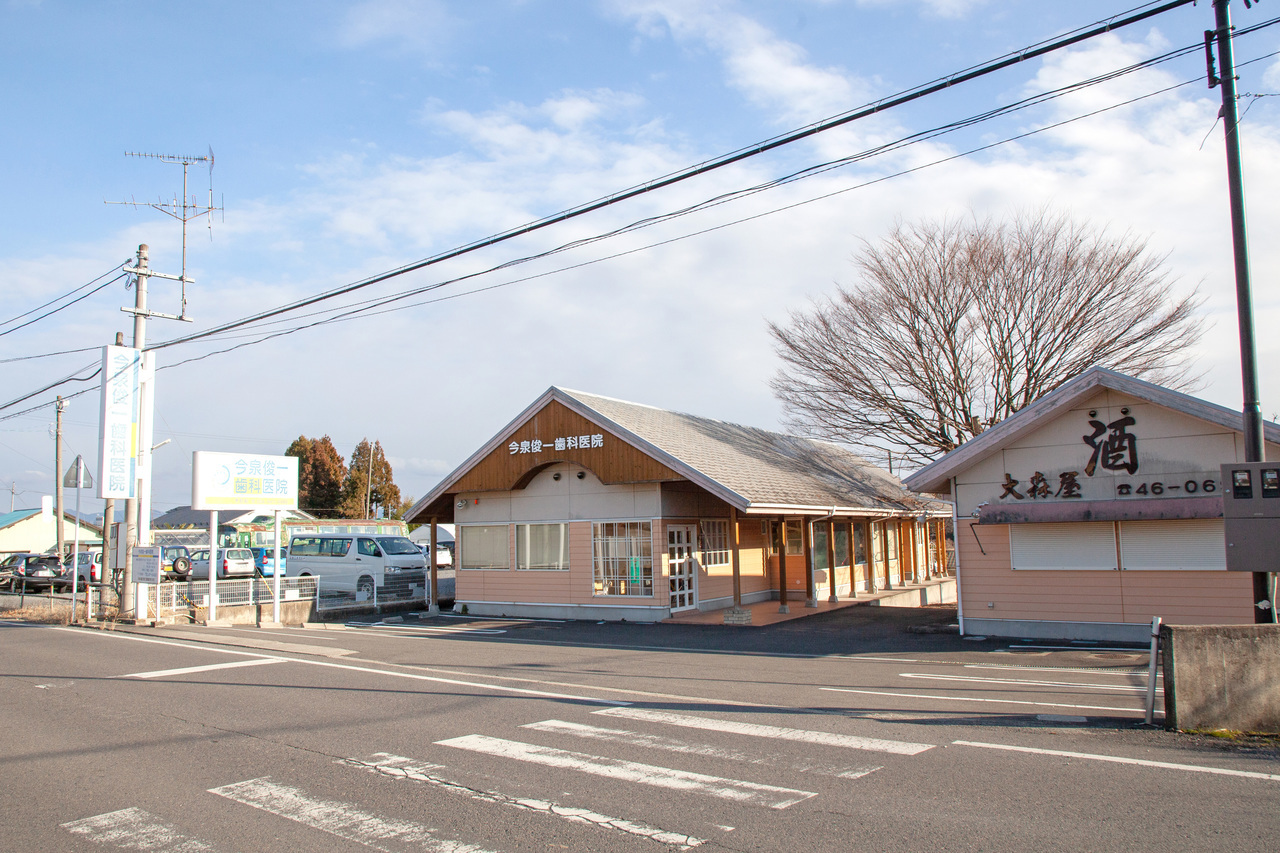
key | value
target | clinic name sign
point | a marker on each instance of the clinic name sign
(570, 442)
(243, 481)
(118, 425)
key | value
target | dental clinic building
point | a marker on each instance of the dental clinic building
(590, 507)
(1094, 510)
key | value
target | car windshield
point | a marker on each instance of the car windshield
(398, 545)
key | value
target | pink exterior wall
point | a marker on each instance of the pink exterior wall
(1181, 597)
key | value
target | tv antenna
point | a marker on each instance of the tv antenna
(185, 209)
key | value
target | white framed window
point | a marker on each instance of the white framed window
(542, 547)
(483, 546)
(1066, 546)
(622, 558)
(715, 542)
(1184, 544)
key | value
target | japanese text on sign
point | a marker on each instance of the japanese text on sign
(572, 442)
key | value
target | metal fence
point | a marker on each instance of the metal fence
(186, 596)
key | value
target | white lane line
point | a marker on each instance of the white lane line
(1128, 649)
(776, 732)
(737, 790)
(400, 767)
(1163, 765)
(1137, 672)
(630, 738)
(413, 676)
(343, 820)
(135, 829)
(1126, 688)
(444, 629)
(188, 670)
(973, 699)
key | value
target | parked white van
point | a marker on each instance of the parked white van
(358, 563)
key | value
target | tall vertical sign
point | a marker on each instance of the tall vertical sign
(118, 425)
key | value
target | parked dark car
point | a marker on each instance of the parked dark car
(175, 561)
(32, 572)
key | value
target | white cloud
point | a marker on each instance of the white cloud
(414, 25)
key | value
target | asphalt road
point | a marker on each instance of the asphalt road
(843, 731)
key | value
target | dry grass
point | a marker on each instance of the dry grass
(42, 613)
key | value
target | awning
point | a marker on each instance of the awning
(1117, 510)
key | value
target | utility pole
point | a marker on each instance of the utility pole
(1264, 610)
(128, 604)
(57, 473)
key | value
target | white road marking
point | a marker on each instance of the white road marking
(1164, 765)
(630, 771)
(444, 629)
(973, 699)
(648, 741)
(188, 670)
(135, 829)
(777, 732)
(336, 818)
(1130, 649)
(1140, 672)
(404, 768)
(1127, 688)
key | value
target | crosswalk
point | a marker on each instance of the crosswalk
(775, 755)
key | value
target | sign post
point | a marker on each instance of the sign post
(78, 478)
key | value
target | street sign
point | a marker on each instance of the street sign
(146, 564)
(78, 476)
(243, 481)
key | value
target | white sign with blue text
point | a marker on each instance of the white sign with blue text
(243, 481)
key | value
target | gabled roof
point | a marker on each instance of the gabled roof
(752, 469)
(935, 477)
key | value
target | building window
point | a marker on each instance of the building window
(715, 543)
(623, 558)
(483, 546)
(842, 545)
(820, 547)
(542, 547)
(860, 543)
(795, 538)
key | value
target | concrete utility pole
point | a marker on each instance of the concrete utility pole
(1264, 610)
(57, 474)
(128, 603)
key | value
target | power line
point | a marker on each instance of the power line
(47, 314)
(973, 73)
(60, 298)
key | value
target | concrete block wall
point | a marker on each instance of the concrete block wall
(1222, 677)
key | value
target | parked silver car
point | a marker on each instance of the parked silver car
(232, 563)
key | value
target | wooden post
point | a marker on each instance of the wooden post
(806, 533)
(736, 615)
(884, 550)
(782, 571)
(831, 560)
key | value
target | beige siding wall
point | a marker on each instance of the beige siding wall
(575, 586)
(1187, 598)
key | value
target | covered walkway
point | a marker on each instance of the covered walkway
(935, 591)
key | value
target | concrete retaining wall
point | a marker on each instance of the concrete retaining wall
(1222, 677)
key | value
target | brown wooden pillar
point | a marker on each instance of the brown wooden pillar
(853, 563)
(831, 560)
(733, 556)
(806, 533)
(782, 570)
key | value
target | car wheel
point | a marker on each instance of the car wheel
(365, 585)
(181, 566)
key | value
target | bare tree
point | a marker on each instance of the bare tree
(954, 326)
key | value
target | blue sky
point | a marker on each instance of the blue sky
(353, 138)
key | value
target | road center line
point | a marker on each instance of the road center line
(187, 670)
(1164, 765)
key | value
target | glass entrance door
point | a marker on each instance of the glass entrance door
(681, 542)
